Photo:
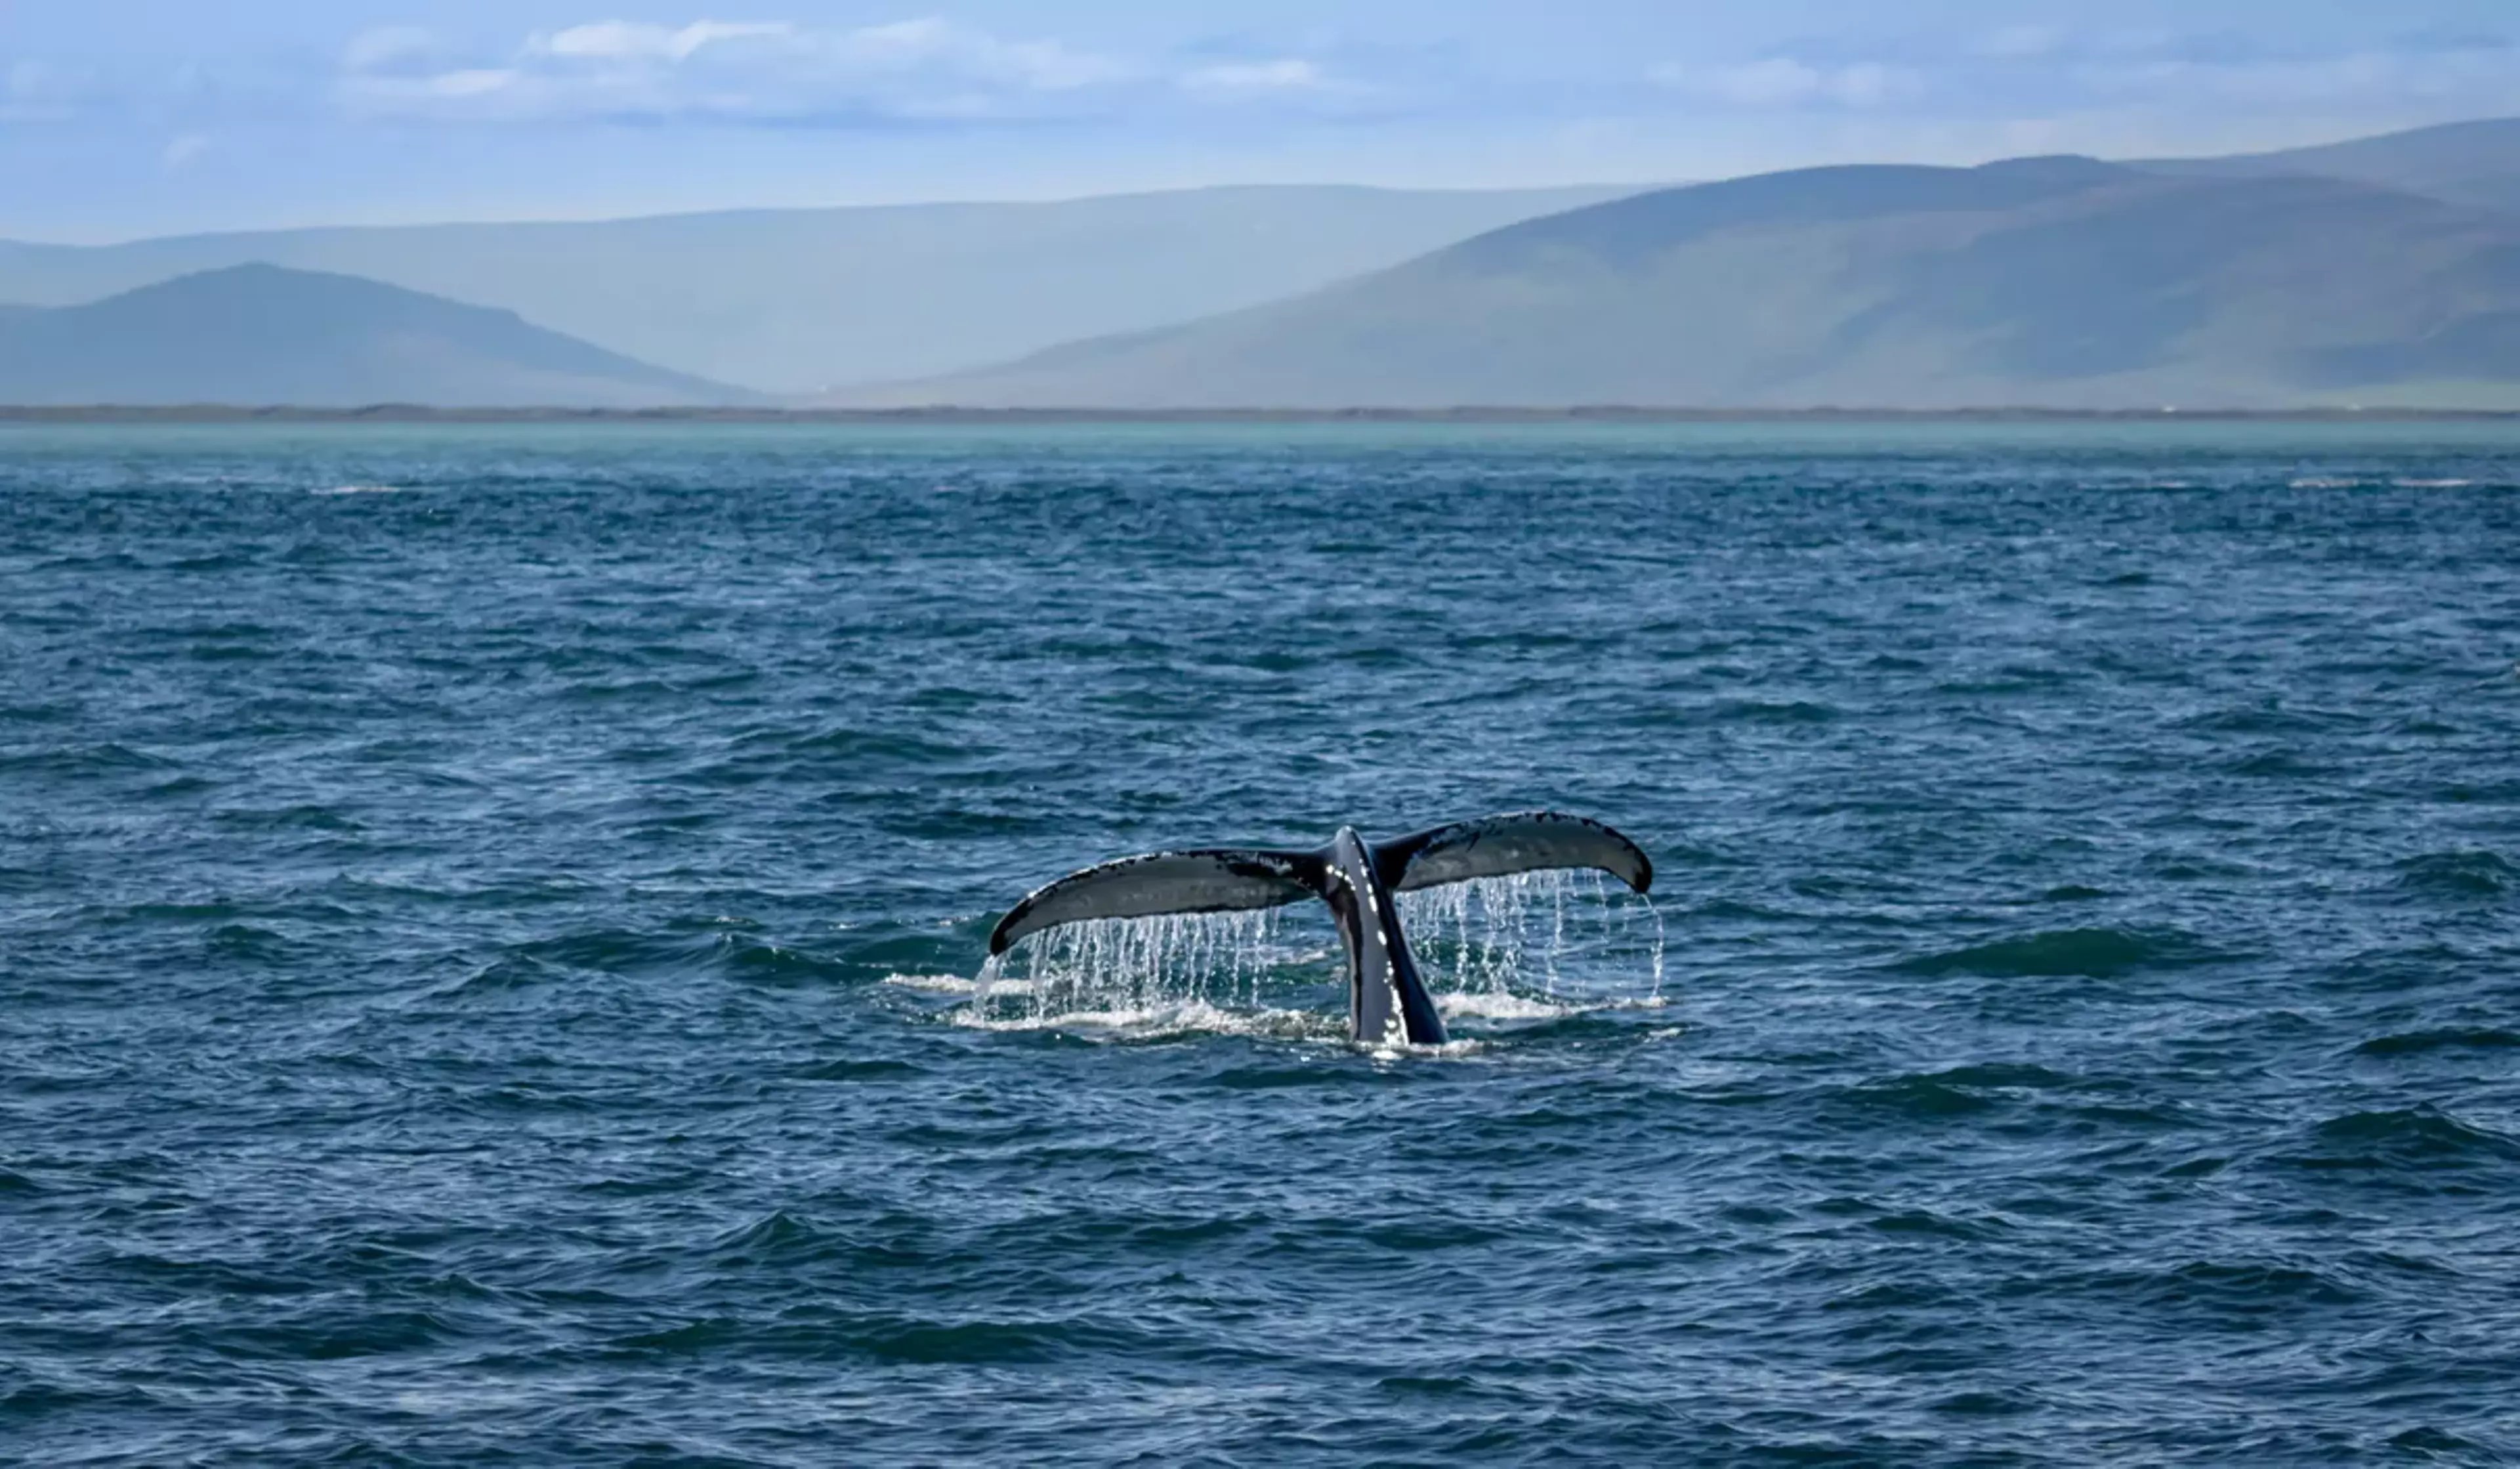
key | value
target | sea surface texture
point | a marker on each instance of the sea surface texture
(489, 923)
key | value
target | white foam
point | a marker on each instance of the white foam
(1503, 1004)
(955, 983)
(1162, 1022)
(1450, 1050)
(1508, 1005)
(360, 490)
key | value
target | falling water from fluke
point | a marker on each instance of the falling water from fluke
(1527, 946)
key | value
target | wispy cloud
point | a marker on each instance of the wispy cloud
(770, 72)
(31, 91)
(634, 41)
(2051, 68)
(2416, 69)
(1785, 81)
(1260, 77)
(183, 148)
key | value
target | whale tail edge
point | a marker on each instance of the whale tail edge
(1220, 881)
(1506, 845)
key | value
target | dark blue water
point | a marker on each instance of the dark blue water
(483, 964)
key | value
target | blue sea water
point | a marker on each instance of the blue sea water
(488, 919)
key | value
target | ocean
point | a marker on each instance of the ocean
(492, 924)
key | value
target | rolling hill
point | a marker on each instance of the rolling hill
(2049, 282)
(2475, 163)
(792, 300)
(258, 335)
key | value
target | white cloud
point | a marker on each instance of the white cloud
(733, 71)
(1288, 75)
(185, 148)
(1783, 81)
(631, 40)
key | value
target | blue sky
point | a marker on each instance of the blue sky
(125, 117)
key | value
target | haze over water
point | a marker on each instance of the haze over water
(484, 958)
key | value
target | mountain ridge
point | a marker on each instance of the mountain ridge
(2061, 283)
(789, 301)
(2475, 162)
(260, 334)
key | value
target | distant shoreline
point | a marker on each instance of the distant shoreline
(409, 414)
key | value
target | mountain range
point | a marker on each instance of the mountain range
(2061, 283)
(2382, 272)
(798, 300)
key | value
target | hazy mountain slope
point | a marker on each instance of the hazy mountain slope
(2475, 163)
(796, 299)
(2056, 282)
(259, 335)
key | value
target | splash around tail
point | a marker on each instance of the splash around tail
(1361, 881)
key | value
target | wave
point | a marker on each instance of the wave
(2413, 1139)
(2422, 1042)
(1774, 711)
(774, 1235)
(825, 1337)
(97, 760)
(2249, 1288)
(858, 1070)
(1924, 1097)
(772, 964)
(673, 950)
(2342, 481)
(2089, 953)
(2460, 874)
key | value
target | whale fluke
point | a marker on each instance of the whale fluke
(1356, 878)
(1165, 881)
(1502, 845)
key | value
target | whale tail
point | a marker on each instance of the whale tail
(1225, 880)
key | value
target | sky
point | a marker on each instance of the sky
(122, 118)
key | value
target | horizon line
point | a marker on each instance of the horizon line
(1607, 413)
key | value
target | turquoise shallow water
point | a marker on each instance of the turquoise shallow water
(483, 960)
